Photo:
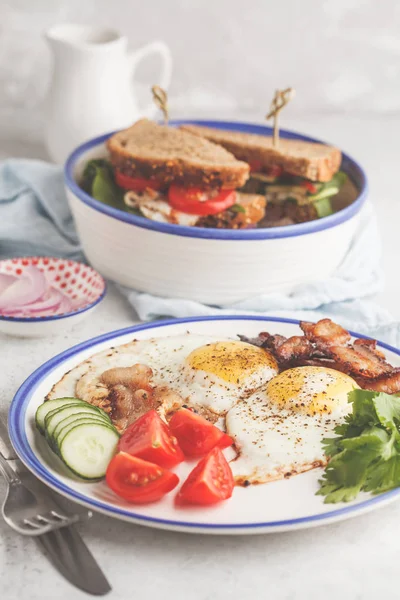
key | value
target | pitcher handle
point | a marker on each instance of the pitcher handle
(165, 78)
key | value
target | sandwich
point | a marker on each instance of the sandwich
(299, 179)
(174, 176)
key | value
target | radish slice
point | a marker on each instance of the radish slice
(50, 301)
(48, 304)
(27, 289)
(34, 294)
(6, 281)
(65, 305)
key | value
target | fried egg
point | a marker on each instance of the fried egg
(278, 430)
(205, 371)
(218, 374)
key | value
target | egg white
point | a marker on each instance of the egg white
(167, 357)
(275, 439)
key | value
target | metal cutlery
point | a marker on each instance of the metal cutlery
(71, 557)
(25, 511)
(64, 547)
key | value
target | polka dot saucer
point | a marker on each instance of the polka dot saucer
(82, 287)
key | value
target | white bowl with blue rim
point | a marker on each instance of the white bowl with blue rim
(213, 266)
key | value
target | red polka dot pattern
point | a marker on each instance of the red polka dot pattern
(82, 284)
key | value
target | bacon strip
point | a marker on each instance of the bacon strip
(357, 363)
(294, 348)
(326, 343)
(325, 333)
(389, 383)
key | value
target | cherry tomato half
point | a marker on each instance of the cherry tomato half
(196, 201)
(135, 183)
(196, 436)
(149, 438)
(210, 481)
(139, 481)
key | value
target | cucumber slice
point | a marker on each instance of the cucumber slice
(48, 406)
(88, 448)
(71, 420)
(84, 419)
(55, 417)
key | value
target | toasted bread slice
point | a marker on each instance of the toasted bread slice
(317, 162)
(168, 155)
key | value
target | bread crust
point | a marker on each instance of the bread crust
(225, 171)
(317, 162)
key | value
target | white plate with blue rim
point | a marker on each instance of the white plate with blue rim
(283, 505)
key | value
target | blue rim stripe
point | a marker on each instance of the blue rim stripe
(20, 442)
(349, 164)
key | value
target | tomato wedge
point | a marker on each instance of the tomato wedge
(137, 480)
(136, 184)
(210, 481)
(149, 438)
(195, 435)
(196, 201)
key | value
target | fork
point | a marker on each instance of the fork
(25, 511)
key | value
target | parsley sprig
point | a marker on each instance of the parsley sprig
(365, 455)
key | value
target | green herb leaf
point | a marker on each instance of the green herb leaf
(387, 409)
(326, 190)
(323, 207)
(365, 455)
(237, 208)
(384, 476)
(90, 172)
(98, 181)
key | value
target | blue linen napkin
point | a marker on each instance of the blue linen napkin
(35, 220)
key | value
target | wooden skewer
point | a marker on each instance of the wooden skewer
(160, 97)
(280, 99)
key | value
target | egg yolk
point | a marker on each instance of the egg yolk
(310, 390)
(232, 361)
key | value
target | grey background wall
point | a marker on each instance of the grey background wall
(342, 56)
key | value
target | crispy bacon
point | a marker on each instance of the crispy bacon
(319, 362)
(264, 340)
(389, 383)
(357, 363)
(327, 344)
(294, 348)
(368, 348)
(285, 350)
(325, 333)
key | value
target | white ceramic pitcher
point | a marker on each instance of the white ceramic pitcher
(92, 90)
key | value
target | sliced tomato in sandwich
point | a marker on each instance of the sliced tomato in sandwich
(136, 184)
(196, 201)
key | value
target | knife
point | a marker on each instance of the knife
(64, 547)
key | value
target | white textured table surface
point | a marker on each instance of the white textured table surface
(356, 559)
